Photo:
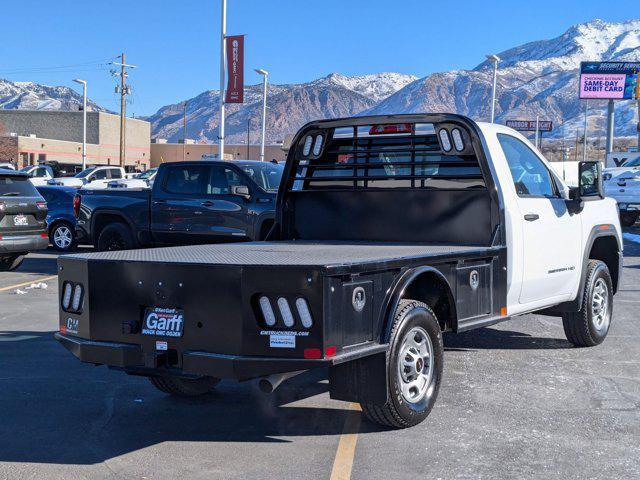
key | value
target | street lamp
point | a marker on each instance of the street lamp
(495, 59)
(264, 74)
(84, 120)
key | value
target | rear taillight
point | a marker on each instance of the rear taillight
(41, 205)
(76, 204)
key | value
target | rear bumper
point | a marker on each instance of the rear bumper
(24, 243)
(132, 359)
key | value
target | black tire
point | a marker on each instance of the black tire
(184, 387)
(628, 219)
(586, 328)
(398, 412)
(59, 233)
(11, 262)
(115, 236)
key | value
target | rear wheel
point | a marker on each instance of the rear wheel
(62, 237)
(11, 262)
(628, 219)
(589, 326)
(184, 387)
(115, 236)
(414, 367)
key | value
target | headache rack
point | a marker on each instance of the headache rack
(405, 155)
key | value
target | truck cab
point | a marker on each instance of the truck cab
(389, 230)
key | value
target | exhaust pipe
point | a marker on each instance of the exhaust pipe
(270, 383)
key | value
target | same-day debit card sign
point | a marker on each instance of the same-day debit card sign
(609, 80)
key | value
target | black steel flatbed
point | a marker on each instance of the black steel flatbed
(334, 258)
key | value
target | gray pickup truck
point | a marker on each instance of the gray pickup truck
(190, 203)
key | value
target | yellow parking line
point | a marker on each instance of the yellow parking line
(35, 280)
(343, 462)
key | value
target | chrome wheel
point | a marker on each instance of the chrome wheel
(62, 237)
(415, 365)
(600, 305)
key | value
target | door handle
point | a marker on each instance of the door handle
(531, 217)
(207, 203)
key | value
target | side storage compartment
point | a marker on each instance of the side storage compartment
(474, 290)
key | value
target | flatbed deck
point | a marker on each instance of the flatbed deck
(330, 256)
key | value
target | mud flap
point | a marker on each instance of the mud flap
(363, 380)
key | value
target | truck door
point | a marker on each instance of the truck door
(225, 216)
(551, 236)
(176, 204)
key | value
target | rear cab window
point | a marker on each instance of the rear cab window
(15, 186)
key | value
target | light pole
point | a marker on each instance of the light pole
(264, 74)
(223, 66)
(495, 59)
(84, 120)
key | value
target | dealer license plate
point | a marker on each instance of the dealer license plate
(20, 221)
(163, 322)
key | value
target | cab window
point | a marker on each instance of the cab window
(530, 175)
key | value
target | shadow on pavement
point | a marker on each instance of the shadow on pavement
(491, 338)
(56, 410)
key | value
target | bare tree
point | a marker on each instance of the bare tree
(8, 146)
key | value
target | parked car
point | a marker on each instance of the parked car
(191, 202)
(22, 219)
(61, 222)
(389, 230)
(39, 174)
(7, 165)
(93, 177)
(624, 187)
(140, 180)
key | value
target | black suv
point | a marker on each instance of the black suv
(22, 219)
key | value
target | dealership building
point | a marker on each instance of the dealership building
(162, 152)
(30, 137)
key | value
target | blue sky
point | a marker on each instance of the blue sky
(175, 43)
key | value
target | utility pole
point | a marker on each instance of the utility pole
(84, 121)
(495, 59)
(124, 90)
(610, 132)
(265, 75)
(537, 129)
(223, 66)
(184, 133)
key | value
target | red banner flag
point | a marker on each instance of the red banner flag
(235, 69)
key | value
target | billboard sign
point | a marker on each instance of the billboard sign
(235, 69)
(609, 80)
(530, 125)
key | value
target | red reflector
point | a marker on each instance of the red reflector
(393, 128)
(44, 235)
(77, 199)
(63, 329)
(604, 227)
(312, 353)
(330, 352)
(41, 205)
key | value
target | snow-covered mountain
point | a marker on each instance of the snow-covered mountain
(33, 96)
(537, 78)
(289, 107)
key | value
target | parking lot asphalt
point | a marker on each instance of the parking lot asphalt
(517, 401)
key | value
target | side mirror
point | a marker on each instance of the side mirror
(590, 180)
(241, 191)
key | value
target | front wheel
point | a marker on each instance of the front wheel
(11, 262)
(184, 387)
(414, 367)
(589, 326)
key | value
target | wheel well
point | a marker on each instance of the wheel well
(102, 221)
(430, 288)
(265, 228)
(606, 249)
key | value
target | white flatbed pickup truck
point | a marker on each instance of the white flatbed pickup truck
(389, 230)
